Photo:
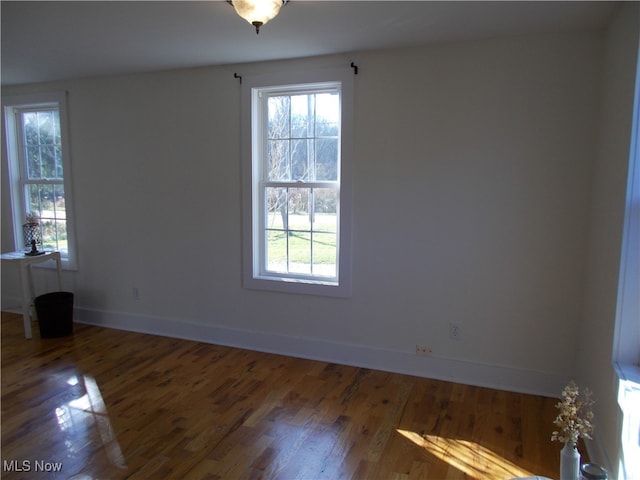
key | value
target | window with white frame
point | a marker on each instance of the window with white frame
(626, 348)
(38, 157)
(297, 183)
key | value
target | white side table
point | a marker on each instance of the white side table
(24, 262)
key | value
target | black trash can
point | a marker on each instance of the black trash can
(55, 314)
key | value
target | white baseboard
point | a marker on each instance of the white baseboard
(440, 368)
(10, 303)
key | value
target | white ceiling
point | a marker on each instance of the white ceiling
(49, 40)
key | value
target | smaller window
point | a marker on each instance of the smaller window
(39, 173)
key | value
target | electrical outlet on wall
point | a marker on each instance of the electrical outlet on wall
(423, 350)
(455, 330)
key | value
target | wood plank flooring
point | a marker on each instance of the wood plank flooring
(107, 404)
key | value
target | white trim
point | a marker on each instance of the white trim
(441, 368)
(11, 303)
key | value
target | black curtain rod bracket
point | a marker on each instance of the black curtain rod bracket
(355, 68)
(235, 75)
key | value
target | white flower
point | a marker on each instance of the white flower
(574, 419)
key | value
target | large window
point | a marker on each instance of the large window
(298, 187)
(38, 169)
(626, 348)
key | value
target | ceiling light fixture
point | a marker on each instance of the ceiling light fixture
(257, 12)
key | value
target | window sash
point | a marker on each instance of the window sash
(323, 238)
(308, 270)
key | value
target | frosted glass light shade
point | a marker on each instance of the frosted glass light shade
(257, 12)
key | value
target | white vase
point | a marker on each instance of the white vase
(569, 462)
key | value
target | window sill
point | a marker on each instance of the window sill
(628, 373)
(288, 285)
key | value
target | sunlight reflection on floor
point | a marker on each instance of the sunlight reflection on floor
(470, 458)
(71, 417)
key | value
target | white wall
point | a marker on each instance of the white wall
(473, 175)
(594, 362)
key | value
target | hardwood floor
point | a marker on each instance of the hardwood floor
(107, 404)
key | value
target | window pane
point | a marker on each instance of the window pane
(298, 208)
(276, 251)
(30, 126)
(32, 157)
(276, 208)
(278, 113)
(300, 252)
(34, 196)
(59, 172)
(325, 217)
(302, 115)
(324, 254)
(59, 201)
(57, 135)
(63, 244)
(327, 159)
(300, 164)
(278, 163)
(48, 161)
(328, 114)
(47, 197)
(46, 128)
(49, 234)
(54, 235)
